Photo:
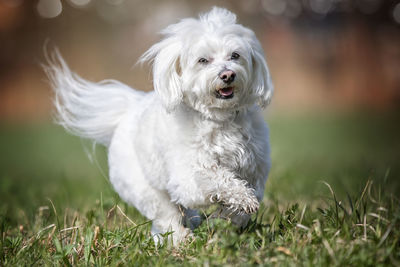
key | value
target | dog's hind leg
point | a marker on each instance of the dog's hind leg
(129, 181)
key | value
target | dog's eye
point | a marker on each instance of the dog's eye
(235, 56)
(203, 60)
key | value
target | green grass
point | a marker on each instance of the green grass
(332, 199)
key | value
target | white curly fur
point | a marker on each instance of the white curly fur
(181, 147)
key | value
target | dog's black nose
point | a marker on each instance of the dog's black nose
(227, 76)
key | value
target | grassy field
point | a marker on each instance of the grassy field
(332, 198)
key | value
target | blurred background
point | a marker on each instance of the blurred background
(334, 115)
(323, 54)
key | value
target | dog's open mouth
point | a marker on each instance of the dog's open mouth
(224, 93)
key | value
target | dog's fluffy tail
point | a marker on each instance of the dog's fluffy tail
(87, 109)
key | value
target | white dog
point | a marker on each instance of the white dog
(198, 139)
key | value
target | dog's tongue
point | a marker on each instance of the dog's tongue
(226, 91)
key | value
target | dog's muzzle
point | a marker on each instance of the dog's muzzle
(227, 76)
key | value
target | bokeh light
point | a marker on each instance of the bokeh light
(321, 7)
(396, 13)
(49, 8)
(79, 3)
(274, 7)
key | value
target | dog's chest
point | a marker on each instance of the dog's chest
(228, 145)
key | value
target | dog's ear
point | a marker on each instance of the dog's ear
(261, 82)
(166, 71)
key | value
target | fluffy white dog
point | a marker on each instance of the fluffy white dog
(198, 139)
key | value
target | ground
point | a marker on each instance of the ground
(331, 199)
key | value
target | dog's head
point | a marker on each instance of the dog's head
(211, 64)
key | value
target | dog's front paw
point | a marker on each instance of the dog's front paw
(242, 203)
(249, 205)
